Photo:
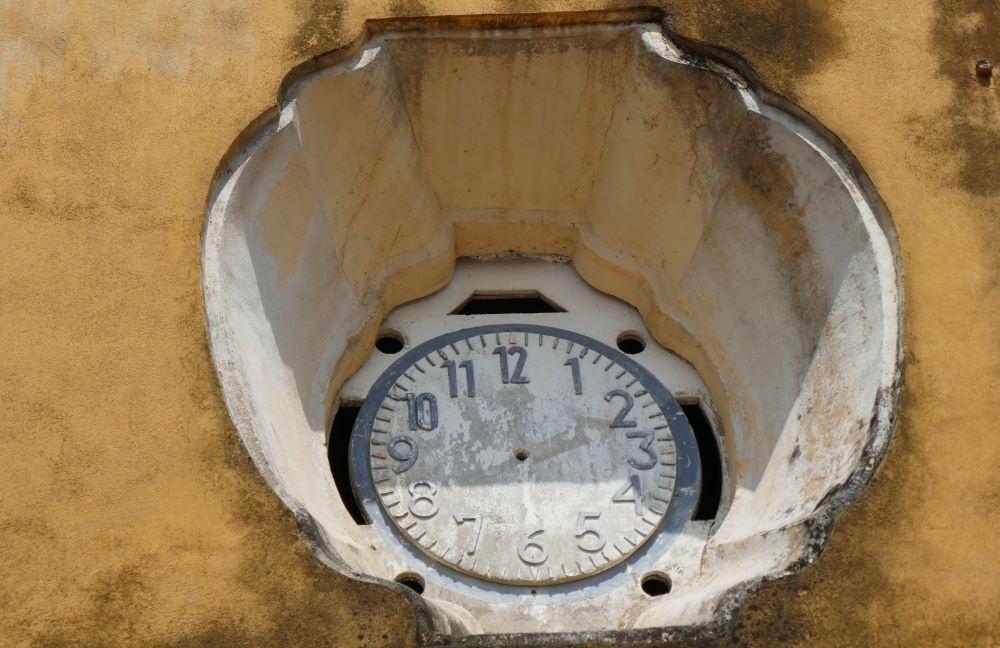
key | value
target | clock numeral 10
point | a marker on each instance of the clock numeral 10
(470, 378)
(423, 410)
(517, 378)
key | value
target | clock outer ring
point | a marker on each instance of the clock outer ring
(687, 483)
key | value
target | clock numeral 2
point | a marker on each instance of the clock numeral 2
(622, 495)
(517, 377)
(423, 410)
(470, 378)
(620, 421)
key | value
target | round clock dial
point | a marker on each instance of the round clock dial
(519, 454)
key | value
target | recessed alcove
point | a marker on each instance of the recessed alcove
(749, 241)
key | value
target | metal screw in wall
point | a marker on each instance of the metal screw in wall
(984, 69)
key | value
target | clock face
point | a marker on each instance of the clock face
(519, 454)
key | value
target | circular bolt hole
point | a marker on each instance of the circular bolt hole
(413, 581)
(631, 343)
(389, 342)
(656, 584)
(520, 454)
(984, 69)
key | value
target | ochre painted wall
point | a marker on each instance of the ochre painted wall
(130, 513)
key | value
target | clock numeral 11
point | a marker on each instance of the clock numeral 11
(470, 378)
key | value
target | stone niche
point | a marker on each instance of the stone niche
(750, 242)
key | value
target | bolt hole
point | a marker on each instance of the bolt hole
(413, 581)
(631, 343)
(656, 584)
(389, 342)
(520, 454)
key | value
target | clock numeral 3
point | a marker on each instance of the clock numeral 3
(517, 378)
(423, 410)
(622, 495)
(538, 553)
(408, 457)
(646, 446)
(422, 504)
(470, 378)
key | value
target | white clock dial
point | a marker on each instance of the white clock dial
(519, 454)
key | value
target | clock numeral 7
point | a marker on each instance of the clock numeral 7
(470, 378)
(423, 409)
(506, 376)
(477, 522)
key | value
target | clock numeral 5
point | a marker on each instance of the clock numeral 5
(595, 539)
(517, 377)
(423, 409)
(538, 553)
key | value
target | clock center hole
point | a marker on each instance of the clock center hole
(521, 454)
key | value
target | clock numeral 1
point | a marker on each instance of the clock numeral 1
(595, 539)
(423, 410)
(622, 495)
(539, 552)
(574, 364)
(506, 376)
(470, 378)
(477, 522)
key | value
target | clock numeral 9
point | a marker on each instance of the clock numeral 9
(517, 377)
(538, 553)
(595, 540)
(423, 410)
(470, 378)
(408, 457)
(422, 504)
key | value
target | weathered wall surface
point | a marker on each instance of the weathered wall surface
(130, 513)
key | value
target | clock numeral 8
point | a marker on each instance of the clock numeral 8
(429, 489)
(539, 552)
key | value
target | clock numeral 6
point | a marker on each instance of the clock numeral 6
(538, 553)
(595, 540)
(423, 409)
(407, 457)
(422, 504)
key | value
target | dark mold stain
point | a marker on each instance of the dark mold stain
(322, 24)
(964, 32)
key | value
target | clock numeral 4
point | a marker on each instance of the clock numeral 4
(422, 504)
(423, 409)
(531, 551)
(470, 378)
(622, 495)
(517, 378)
(591, 539)
(477, 526)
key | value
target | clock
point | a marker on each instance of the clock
(522, 455)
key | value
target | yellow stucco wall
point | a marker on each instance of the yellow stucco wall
(130, 513)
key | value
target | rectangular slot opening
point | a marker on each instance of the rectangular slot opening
(339, 456)
(711, 462)
(501, 303)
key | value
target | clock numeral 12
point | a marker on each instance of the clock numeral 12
(517, 377)
(470, 378)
